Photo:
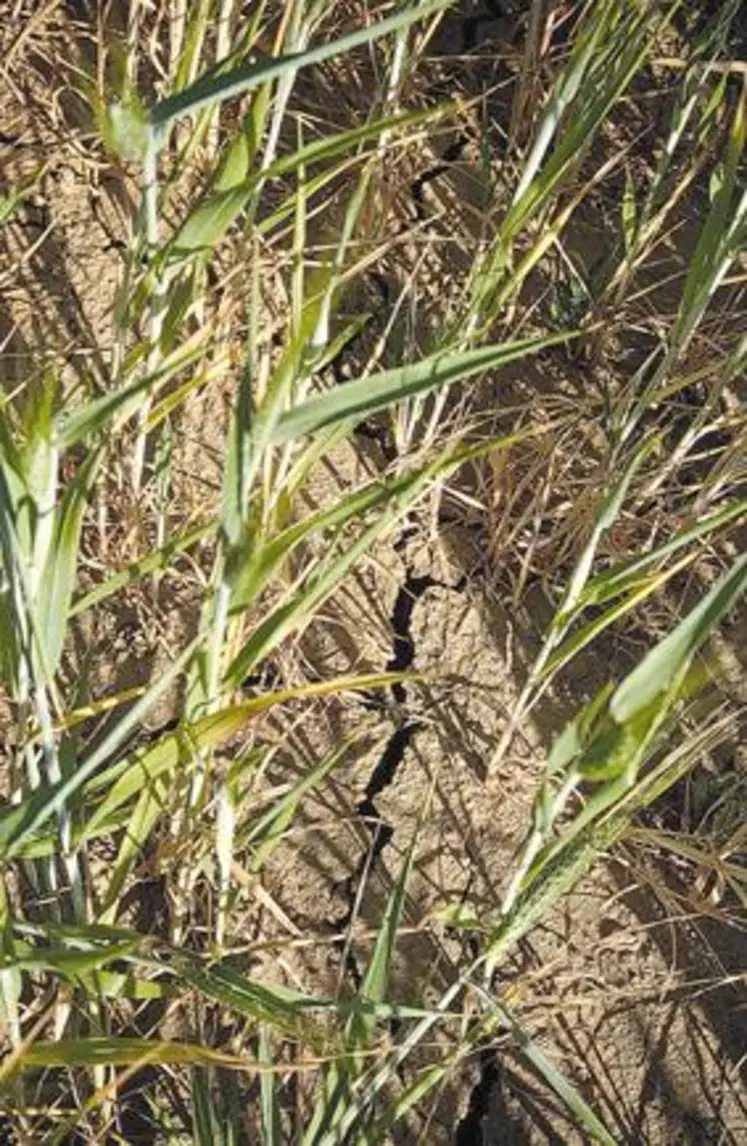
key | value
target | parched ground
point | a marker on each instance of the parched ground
(634, 985)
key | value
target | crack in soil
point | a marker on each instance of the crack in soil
(383, 774)
(385, 768)
(469, 1132)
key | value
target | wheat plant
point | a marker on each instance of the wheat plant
(256, 215)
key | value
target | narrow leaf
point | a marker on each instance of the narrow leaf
(667, 659)
(354, 401)
(219, 85)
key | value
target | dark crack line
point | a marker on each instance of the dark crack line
(469, 1132)
(403, 646)
(384, 771)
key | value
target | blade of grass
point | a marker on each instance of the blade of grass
(212, 89)
(354, 401)
(546, 1070)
